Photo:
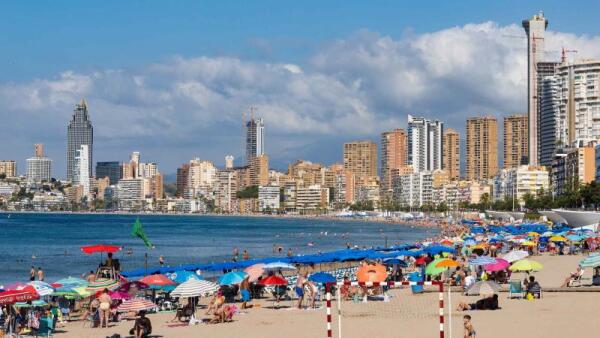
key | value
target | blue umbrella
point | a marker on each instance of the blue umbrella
(483, 260)
(469, 242)
(230, 278)
(392, 261)
(322, 278)
(574, 238)
(279, 266)
(182, 276)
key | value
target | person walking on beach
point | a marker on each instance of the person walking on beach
(32, 273)
(40, 274)
(469, 330)
(300, 288)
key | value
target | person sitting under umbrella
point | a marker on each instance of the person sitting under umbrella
(533, 287)
(488, 303)
(142, 327)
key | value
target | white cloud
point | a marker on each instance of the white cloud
(352, 88)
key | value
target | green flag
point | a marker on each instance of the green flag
(137, 231)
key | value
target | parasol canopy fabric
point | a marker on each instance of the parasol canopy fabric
(431, 268)
(194, 288)
(231, 278)
(482, 260)
(182, 276)
(273, 280)
(157, 280)
(322, 278)
(447, 263)
(42, 288)
(135, 305)
(255, 271)
(526, 265)
(101, 284)
(483, 288)
(371, 273)
(133, 285)
(279, 266)
(72, 282)
(515, 255)
(500, 265)
(72, 292)
(90, 249)
(25, 294)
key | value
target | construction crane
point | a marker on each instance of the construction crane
(564, 53)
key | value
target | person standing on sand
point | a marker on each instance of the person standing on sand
(469, 330)
(300, 288)
(32, 273)
(40, 274)
(105, 302)
(245, 292)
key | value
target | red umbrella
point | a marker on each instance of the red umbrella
(90, 249)
(24, 295)
(273, 280)
(157, 280)
(420, 261)
(133, 285)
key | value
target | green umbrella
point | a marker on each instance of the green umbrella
(590, 261)
(526, 265)
(35, 303)
(432, 269)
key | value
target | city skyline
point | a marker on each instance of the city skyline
(309, 108)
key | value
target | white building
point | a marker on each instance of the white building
(226, 191)
(268, 198)
(39, 169)
(425, 141)
(82, 172)
(414, 189)
(311, 198)
(130, 193)
(202, 178)
(519, 181)
(147, 170)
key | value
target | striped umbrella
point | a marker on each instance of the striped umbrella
(591, 261)
(42, 288)
(101, 284)
(194, 288)
(483, 260)
(135, 305)
(483, 288)
(72, 282)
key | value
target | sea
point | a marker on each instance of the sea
(53, 241)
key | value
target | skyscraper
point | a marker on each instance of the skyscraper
(360, 158)
(425, 143)
(535, 29)
(393, 155)
(112, 170)
(255, 139)
(515, 140)
(482, 148)
(79, 132)
(82, 169)
(39, 168)
(452, 153)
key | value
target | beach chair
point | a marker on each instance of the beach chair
(577, 279)
(515, 288)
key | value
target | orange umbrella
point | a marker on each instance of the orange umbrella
(446, 242)
(371, 273)
(447, 263)
(157, 280)
(255, 271)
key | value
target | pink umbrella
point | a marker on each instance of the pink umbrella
(255, 271)
(15, 286)
(119, 295)
(500, 265)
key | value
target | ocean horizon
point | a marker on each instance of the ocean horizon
(52, 241)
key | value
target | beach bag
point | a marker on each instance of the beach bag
(529, 296)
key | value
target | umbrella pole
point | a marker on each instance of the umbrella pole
(449, 310)
(339, 306)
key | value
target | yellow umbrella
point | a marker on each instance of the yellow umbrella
(528, 243)
(526, 265)
(479, 246)
(558, 239)
(533, 233)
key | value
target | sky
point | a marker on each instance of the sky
(173, 79)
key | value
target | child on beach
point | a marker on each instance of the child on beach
(469, 330)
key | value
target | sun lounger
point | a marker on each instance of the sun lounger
(515, 289)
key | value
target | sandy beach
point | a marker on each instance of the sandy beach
(557, 314)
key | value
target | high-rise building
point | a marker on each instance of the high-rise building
(183, 173)
(360, 158)
(425, 139)
(39, 149)
(8, 168)
(549, 115)
(393, 155)
(79, 131)
(229, 162)
(255, 139)
(39, 168)
(82, 167)
(482, 148)
(515, 140)
(451, 156)
(579, 102)
(112, 170)
(259, 170)
(535, 29)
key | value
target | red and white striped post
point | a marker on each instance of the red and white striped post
(391, 283)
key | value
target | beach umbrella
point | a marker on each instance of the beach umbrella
(515, 255)
(231, 278)
(90, 249)
(371, 273)
(255, 271)
(575, 238)
(118, 295)
(157, 281)
(279, 266)
(135, 305)
(500, 265)
(469, 242)
(182, 276)
(447, 263)
(194, 288)
(528, 243)
(42, 288)
(35, 303)
(432, 269)
(25, 294)
(483, 288)
(558, 239)
(533, 234)
(72, 282)
(71, 293)
(133, 285)
(395, 261)
(446, 242)
(322, 278)
(591, 261)
(273, 280)
(526, 265)
(482, 260)
(101, 284)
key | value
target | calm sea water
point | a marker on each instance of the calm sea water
(52, 241)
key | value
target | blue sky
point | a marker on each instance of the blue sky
(168, 78)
